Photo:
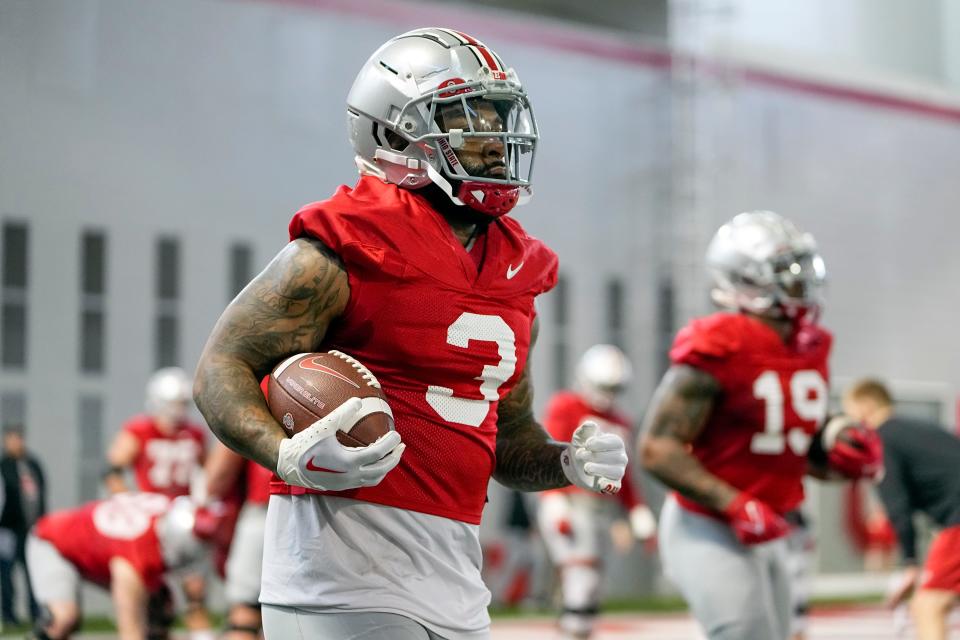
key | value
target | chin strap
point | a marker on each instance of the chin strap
(490, 199)
(493, 200)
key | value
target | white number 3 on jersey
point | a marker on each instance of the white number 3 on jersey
(483, 328)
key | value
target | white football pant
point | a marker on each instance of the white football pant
(735, 592)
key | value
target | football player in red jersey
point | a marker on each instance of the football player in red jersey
(165, 451)
(127, 544)
(418, 273)
(577, 525)
(736, 424)
(232, 477)
(162, 446)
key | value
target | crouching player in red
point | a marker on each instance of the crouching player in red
(736, 425)
(126, 544)
(577, 525)
(165, 451)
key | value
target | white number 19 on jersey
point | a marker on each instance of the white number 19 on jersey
(808, 397)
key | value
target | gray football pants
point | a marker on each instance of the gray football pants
(735, 592)
(288, 623)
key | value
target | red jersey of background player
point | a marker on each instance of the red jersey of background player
(774, 398)
(122, 526)
(565, 412)
(445, 337)
(165, 462)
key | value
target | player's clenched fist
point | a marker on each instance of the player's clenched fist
(853, 450)
(754, 521)
(315, 459)
(595, 460)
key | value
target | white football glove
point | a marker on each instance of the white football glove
(594, 460)
(315, 459)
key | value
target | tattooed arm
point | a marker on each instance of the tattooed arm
(676, 416)
(284, 310)
(527, 458)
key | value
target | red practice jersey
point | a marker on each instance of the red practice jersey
(565, 412)
(258, 483)
(446, 339)
(774, 398)
(122, 526)
(165, 462)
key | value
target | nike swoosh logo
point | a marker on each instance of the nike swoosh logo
(313, 467)
(313, 365)
(512, 272)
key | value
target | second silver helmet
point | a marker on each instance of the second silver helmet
(762, 263)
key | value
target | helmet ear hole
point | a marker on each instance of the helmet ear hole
(395, 140)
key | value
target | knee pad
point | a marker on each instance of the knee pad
(580, 586)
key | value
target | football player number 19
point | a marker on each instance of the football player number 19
(808, 396)
(481, 328)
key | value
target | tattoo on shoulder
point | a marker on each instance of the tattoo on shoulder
(286, 309)
(289, 306)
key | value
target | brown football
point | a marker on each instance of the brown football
(308, 386)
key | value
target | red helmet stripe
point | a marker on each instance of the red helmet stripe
(454, 34)
(469, 39)
(479, 46)
(451, 38)
(487, 57)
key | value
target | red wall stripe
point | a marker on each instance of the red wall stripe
(526, 31)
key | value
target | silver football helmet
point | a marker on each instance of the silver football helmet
(602, 373)
(169, 394)
(180, 543)
(762, 263)
(436, 105)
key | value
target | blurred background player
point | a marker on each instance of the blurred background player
(922, 463)
(126, 544)
(417, 272)
(733, 429)
(868, 527)
(25, 498)
(512, 560)
(162, 447)
(231, 477)
(165, 451)
(576, 525)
